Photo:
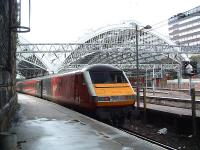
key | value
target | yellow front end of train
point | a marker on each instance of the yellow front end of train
(112, 88)
(116, 94)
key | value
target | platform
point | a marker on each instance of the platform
(173, 102)
(172, 110)
(41, 125)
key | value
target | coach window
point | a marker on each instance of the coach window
(118, 77)
(37, 84)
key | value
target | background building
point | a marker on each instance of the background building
(184, 28)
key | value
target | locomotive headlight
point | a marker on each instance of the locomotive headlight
(104, 99)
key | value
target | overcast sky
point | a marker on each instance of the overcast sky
(64, 21)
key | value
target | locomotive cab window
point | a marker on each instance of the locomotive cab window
(108, 77)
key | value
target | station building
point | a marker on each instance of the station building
(184, 28)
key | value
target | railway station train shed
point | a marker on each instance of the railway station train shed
(116, 44)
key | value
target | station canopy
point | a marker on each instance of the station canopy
(116, 45)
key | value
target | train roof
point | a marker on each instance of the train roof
(101, 67)
(96, 67)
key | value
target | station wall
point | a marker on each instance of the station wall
(8, 97)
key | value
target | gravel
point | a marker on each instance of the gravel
(178, 141)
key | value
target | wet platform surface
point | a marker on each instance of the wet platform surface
(41, 125)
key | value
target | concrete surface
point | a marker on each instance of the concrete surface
(171, 99)
(170, 109)
(41, 125)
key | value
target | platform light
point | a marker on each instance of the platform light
(21, 12)
(147, 27)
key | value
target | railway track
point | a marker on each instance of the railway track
(136, 134)
(147, 139)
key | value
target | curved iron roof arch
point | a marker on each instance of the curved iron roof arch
(115, 44)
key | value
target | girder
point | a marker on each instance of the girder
(71, 47)
(47, 47)
(130, 66)
(60, 52)
(118, 45)
(32, 59)
(29, 65)
(76, 57)
(115, 44)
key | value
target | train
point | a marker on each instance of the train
(103, 90)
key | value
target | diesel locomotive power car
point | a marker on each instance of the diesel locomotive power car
(101, 89)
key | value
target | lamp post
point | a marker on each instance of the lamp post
(137, 68)
(137, 62)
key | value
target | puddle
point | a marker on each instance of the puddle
(43, 119)
(103, 135)
(106, 136)
(127, 148)
(19, 144)
(72, 121)
(82, 123)
(75, 121)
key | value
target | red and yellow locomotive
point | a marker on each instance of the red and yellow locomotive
(102, 89)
